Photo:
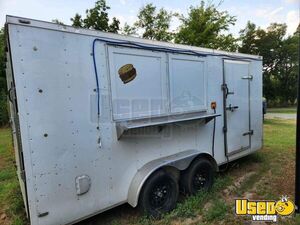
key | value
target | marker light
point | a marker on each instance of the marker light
(213, 105)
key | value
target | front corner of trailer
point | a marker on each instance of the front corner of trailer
(14, 109)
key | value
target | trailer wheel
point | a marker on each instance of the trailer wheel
(159, 194)
(199, 176)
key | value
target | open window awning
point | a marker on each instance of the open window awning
(123, 126)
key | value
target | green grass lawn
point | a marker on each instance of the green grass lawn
(265, 175)
(11, 202)
(289, 110)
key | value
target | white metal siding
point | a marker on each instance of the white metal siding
(59, 62)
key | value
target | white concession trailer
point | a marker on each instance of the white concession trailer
(101, 119)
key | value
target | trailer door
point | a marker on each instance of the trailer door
(236, 90)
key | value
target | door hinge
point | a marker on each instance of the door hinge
(224, 129)
(250, 132)
(224, 87)
(22, 175)
(250, 77)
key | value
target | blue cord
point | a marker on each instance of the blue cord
(153, 48)
(97, 81)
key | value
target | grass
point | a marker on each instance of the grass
(218, 211)
(190, 207)
(258, 176)
(288, 110)
(11, 202)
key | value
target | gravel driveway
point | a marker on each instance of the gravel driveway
(285, 116)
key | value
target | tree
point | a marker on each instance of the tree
(155, 25)
(129, 30)
(3, 88)
(2, 60)
(205, 26)
(114, 27)
(280, 60)
(287, 70)
(97, 18)
(77, 21)
(225, 42)
(248, 38)
(57, 21)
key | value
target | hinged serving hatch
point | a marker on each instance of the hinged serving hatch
(155, 88)
(123, 126)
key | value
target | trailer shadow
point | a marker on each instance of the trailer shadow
(238, 171)
(120, 213)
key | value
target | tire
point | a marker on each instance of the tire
(159, 194)
(199, 176)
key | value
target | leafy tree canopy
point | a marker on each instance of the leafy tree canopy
(205, 26)
(2, 60)
(280, 59)
(155, 24)
(58, 22)
(129, 30)
(97, 18)
(77, 21)
(3, 98)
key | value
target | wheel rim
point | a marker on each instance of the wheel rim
(160, 194)
(200, 179)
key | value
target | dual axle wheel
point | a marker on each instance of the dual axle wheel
(160, 192)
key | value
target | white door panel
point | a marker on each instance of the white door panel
(237, 105)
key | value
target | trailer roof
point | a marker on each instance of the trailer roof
(117, 37)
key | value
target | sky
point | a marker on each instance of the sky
(261, 12)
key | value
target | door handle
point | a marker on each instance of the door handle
(250, 132)
(232, 108)
(230, 92)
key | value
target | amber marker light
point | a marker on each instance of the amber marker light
(213, 105)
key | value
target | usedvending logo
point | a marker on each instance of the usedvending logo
(264, 210)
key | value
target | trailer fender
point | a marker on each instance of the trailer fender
(180, 161)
